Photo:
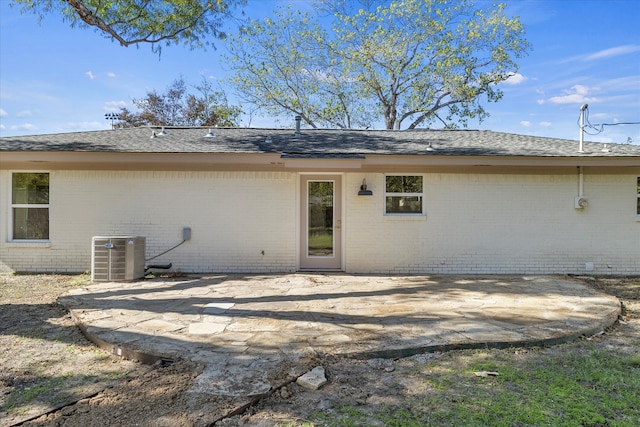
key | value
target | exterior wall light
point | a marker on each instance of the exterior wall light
(363, 189)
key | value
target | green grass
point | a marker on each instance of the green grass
(578, 387)
(81, 279)
(321, 241)
(19, 399)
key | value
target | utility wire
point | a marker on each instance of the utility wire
(602, 125)
(599, 127)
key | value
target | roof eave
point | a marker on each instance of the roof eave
(244, 161)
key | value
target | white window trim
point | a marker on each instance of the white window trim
(421, 215)
(26, 242)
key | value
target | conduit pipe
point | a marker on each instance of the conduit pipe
(581, 202)
(581, 145)
(580, 181)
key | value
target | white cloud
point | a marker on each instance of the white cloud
(90, 74)
(2, 126)
(114, 105)
(25, 113)
(576, 95)
(111, 74)
(545, 124)
(525, 123)
(24, 126)
(515, 79)
(83, 126)
(3, 113)
(614, 51)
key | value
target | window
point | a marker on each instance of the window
(404, 195)
(30, 206)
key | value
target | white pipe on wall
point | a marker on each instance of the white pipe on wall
(580, 181)
(582, 109)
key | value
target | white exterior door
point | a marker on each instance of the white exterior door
(321, 222)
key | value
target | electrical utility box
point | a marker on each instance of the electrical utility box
(117, 258)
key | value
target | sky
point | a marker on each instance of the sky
(54, 78)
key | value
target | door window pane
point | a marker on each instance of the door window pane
(320, 218)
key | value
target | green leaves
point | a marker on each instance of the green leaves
(406, 60)
(195, 23)
(287, 66)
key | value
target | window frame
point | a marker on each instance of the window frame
(12, 206)
(387, 194)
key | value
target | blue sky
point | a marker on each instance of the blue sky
(57, 79)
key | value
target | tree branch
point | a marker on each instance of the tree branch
(91, 19)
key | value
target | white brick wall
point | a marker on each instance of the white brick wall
(234, 216)
(488, 223)
(496, 224)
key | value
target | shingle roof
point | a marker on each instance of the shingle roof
(314, 143)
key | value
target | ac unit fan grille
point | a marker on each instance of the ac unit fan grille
(118, 258)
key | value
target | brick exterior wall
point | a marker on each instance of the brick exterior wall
(234, 217)
(485, 223)
(498, 224)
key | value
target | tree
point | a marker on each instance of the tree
(193, 22)
(280, 66)
(415, 61)
(177, 107)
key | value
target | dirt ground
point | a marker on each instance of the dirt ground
(50, 375)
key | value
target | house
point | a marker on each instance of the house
(358, 201)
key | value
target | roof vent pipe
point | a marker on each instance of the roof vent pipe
(582, 110)
(298, 120)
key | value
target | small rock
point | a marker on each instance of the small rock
(486, 374)
(69, 410)
(313, 380)
(382, 364)
(426, 357)
(284, 393)
(325, 404)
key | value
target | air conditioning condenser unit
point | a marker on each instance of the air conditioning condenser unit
(117, 258)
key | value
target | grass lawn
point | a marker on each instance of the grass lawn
(579, 386)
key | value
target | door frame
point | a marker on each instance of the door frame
(335, 263)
